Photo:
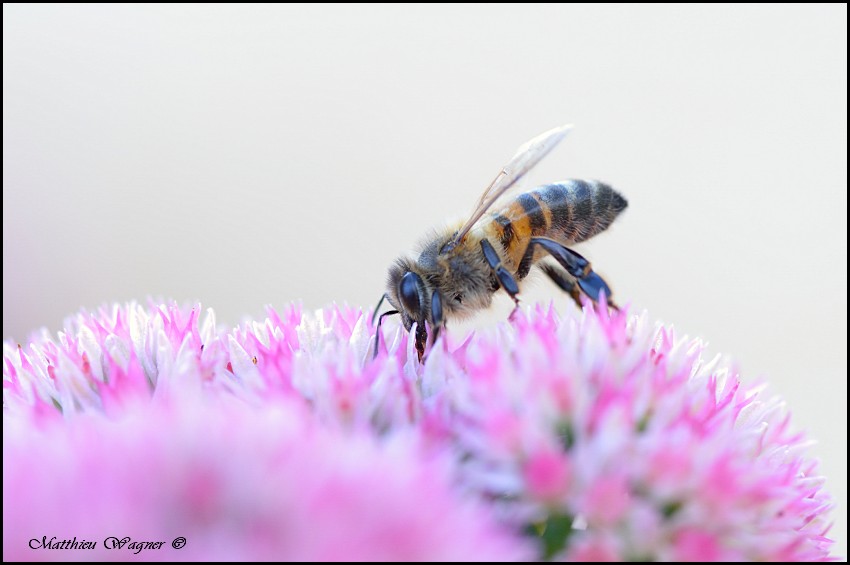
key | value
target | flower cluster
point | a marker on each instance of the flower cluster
(592, 436)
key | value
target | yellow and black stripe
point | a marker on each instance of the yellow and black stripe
(567, 212)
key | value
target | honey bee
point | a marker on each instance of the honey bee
(459, 269)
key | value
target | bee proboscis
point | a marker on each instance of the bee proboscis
(459, 269)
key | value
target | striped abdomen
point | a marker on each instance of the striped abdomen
(568, 212)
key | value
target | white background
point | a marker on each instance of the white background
(245, 155)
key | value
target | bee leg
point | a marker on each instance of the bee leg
(378, 331)
(566, 282)
(505, 278)
(437, 315)
(588, 281)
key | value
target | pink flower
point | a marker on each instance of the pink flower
(588, 437)
(547, 474)
(238, 480)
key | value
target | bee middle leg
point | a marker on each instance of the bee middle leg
(505, 278)
(578, 267)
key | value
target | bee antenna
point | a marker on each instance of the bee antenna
(378, 307)
(378, 330)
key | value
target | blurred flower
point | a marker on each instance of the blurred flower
(592, 437)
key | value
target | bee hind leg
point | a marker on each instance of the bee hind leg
(578, 267)
(565, 282)
(505, 278)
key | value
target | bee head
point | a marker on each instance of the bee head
(407, 292)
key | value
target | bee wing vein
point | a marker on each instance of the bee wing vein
(526, 157)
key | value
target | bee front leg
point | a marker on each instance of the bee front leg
(505, 278)
(588, 281)
(437, 315)
(437, 324)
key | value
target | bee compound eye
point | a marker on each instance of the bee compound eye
(410, 289)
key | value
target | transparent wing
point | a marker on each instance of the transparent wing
(527, 156)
